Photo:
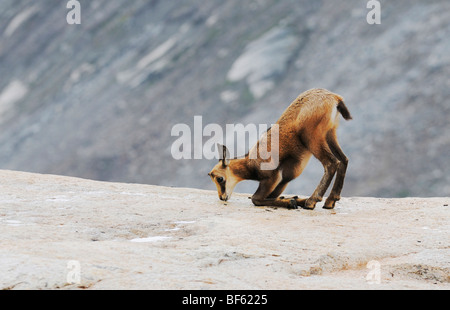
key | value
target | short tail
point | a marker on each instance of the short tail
(343, 109)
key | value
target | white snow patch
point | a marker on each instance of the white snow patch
(79, 71)
(153, 62)
(132, 194)
(13, 223)
(228, 96)
(19, 20)
(151, 239)
(58, 198)
(12, 93)
(212, 20)
(184, 222)
(157, 53)
(179, 223)
(257, 66)
(172, 229)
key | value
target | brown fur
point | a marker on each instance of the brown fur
(307, 127)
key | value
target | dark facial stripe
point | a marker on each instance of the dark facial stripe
(222, 187)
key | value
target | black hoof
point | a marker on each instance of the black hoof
(329, 205)
(309, 204)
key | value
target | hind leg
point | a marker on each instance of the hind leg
(335, 194)
(330, 165)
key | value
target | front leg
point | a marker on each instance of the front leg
(288, 203)
(301, 202)
(262, 195)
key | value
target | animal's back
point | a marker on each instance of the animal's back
(312, 114)
(309, 105)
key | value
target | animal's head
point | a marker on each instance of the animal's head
(222, 174)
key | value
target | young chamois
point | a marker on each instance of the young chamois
(307, 127)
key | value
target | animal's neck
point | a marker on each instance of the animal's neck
(244, 168)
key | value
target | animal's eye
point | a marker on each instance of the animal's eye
(219, 179)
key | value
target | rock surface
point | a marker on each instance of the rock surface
(70, 233)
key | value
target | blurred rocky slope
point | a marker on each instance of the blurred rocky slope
(99, 99)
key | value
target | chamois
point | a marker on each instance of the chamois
(307, 127)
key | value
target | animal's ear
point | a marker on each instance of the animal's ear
(224, 155)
